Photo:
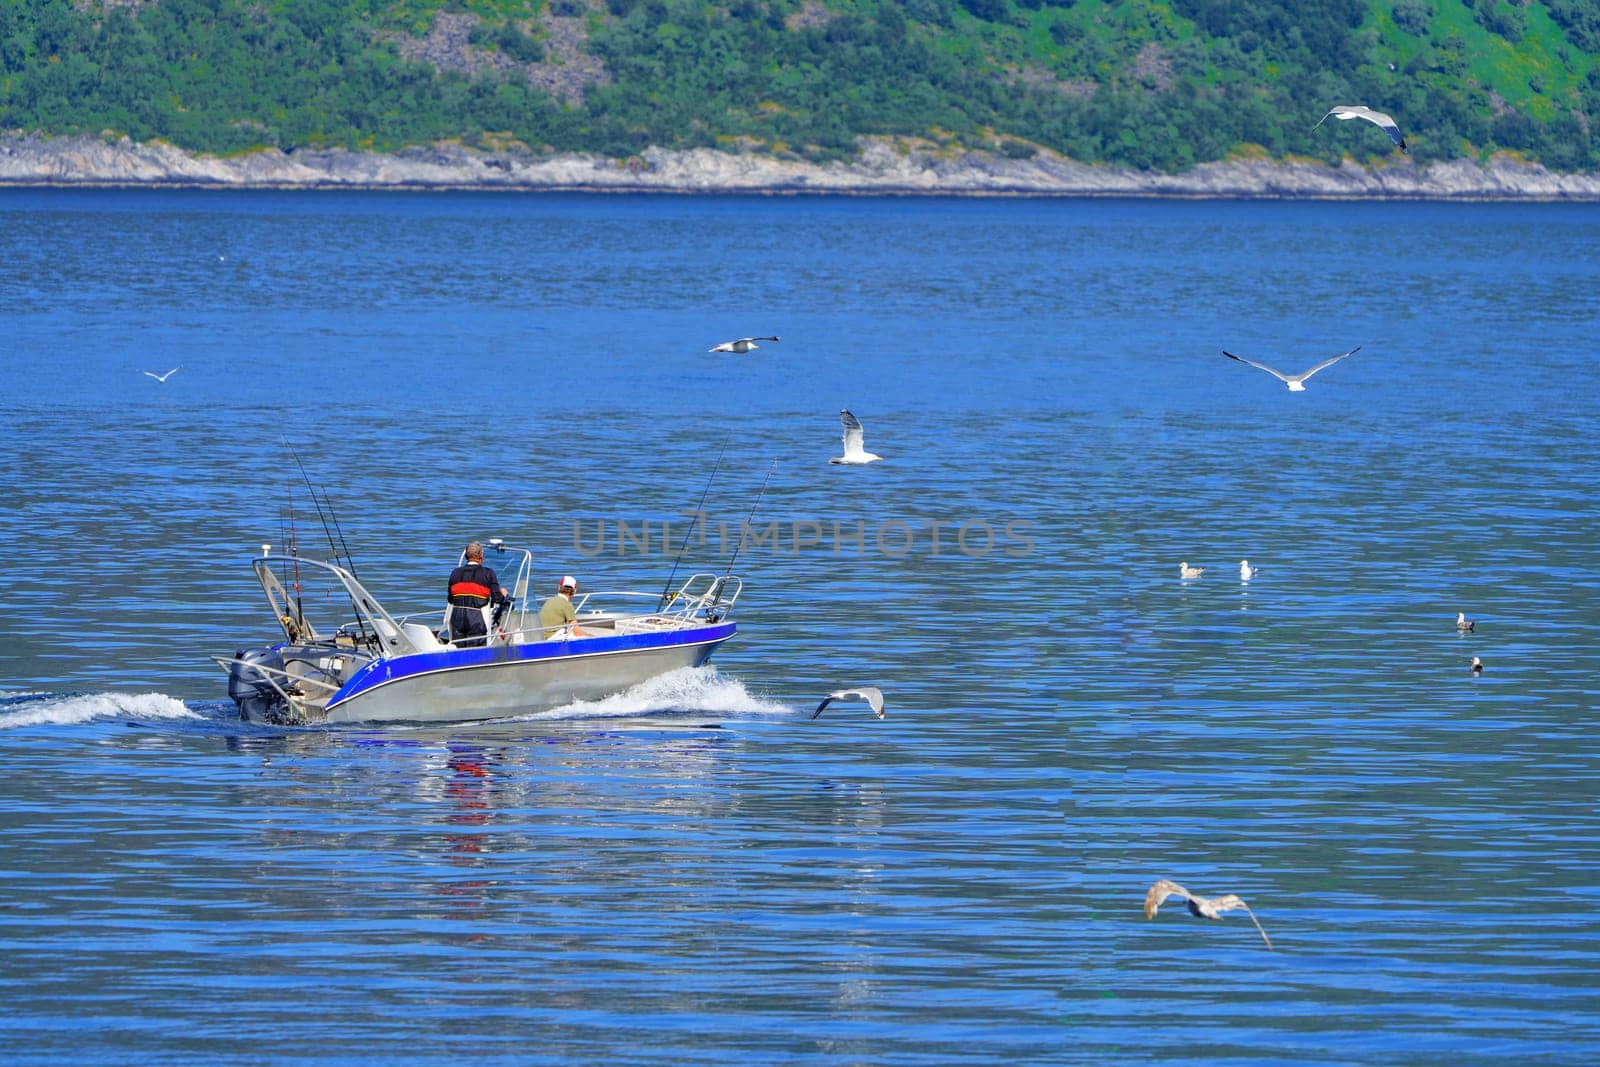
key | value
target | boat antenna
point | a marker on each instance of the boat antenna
(700, 510)
(739, 544)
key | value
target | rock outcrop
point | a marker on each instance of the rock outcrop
(881, 167)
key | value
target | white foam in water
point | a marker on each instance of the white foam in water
(689, 689)
(67, 711)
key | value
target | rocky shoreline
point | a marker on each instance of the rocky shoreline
(882, 168)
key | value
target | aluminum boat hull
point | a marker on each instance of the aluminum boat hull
(461, 685)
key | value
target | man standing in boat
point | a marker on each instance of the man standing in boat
(472, 588)
(558, 611)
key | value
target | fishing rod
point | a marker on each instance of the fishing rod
(291, 548)
(739, 545)
(343, 548)
(332, 547)
(666, 591)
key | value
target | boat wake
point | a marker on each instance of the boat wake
(689, 691)
(54, 709)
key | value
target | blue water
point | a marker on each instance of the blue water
(695, 871)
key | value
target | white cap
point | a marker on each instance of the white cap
(569, 582)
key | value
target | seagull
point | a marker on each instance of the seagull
(1295, 382)
(1186, 572)
(1463, 624)
(162, 377)
(1204, 907)
(1247, 572)
(1477, 665)
(741, 346)
(1377, 118)
(855, 439)
(870, 693)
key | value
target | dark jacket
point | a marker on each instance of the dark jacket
(471, 586)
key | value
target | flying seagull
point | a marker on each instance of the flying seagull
(1204, 907)
(1295, 382)
(162, 377)
(1464, 624)
(741, 346)
(1247, 572)
(855, 440)
(1185, 571)
(1377, 118)
(870, 693)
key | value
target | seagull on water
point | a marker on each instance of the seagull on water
(741, 346)
(855, 441)
(1463, 624)
(1204, 907)
(1377, 118)
(1247, 572)
(162, 377)
(1295, 382)
(1477, 665)
(1186, 572)
(870, 693)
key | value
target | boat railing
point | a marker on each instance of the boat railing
(701, 595)
(702, 598)
(290, 685)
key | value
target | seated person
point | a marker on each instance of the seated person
(471, 588)
(558, 611)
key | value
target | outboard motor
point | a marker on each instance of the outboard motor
(258, 699)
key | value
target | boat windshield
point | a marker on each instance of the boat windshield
(510, 565)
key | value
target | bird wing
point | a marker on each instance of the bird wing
(1328, 362)
(170, 373)
(870, 693)
(855, 438)
(1325, 118)
(766, 338)
(1158, 894)
(1278, 374)
(1230, 902)
(147, 374)
(1386, 124)
(726, 346)
(1377, 118)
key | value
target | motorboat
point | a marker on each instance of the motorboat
(374, 666)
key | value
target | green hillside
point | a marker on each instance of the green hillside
(1148, 83)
